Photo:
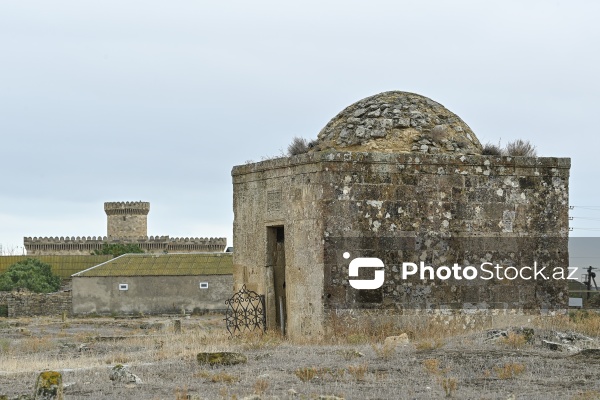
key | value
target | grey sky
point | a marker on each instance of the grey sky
(156, 100)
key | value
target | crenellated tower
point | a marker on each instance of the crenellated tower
(127, 219)
(127, 222)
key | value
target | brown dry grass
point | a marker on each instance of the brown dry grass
(384, 351)
(429, 344)
(261, 386)
(442, 351)
(358, 372)
(449, 385)
(583, 321)
(509, 370)
(514, 340)
(44, 349)
(306, 374)
(430, 331)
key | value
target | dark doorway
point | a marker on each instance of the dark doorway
(276, 259)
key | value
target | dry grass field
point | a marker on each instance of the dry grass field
(444, 359)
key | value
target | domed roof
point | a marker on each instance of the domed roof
(398, 122)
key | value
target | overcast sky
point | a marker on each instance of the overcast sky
(157, 101)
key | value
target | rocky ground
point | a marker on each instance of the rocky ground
(155, 362)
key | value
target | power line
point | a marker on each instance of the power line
(591, 208)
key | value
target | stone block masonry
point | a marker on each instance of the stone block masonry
(28, 304)
(127, 219)
(399, 178)
(436, 208)
(151, 244)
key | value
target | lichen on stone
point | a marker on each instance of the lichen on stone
(49, 386)
(397, 121)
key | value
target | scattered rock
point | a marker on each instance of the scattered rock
(395, 341)
(82, 348)
(350, 354)
(252, 397)
(571, 337)
(329, 397)
(120, 373)
(158, 326)
(49, 386)
(528, 334)
(496, 334)
(588, 353)
(558, 346)
(221, 358)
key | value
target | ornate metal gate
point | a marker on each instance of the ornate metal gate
(245, 312)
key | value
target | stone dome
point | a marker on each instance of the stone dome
(397, 121)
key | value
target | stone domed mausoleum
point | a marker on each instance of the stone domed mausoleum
(399, 178)
(393, 122)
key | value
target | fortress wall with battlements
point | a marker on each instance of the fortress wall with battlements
(152, 244)
(127, 224)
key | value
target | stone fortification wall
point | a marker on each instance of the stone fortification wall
(152, 244)
(28, 304)
(126, 223)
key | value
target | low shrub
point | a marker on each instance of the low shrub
(298, 146)
(490, 149)
(520, 148)
(509, 370)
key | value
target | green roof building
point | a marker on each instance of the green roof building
(155, 284)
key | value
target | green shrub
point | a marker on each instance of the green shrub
(31, 274)
(118, 249)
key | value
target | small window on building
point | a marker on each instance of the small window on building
(203, 285)
(123, 286)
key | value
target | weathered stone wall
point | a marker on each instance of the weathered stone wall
(444, 210)
(28, 304)
(438, 209)
(150, 294)
(280, 193)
